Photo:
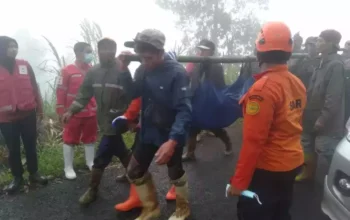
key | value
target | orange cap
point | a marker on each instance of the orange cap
(274, 36)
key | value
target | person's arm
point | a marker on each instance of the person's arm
(61, 92)
(334, 95)
(258, 111)
(38, 97)
(133, 110)
(85, 94)
(182, 106)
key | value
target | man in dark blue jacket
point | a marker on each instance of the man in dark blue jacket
(162, 84)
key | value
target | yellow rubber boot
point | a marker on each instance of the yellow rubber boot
(308, 169)
(182, 211)
(147, 194)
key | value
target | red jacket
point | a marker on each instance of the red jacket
(19, 93)
(68, 87)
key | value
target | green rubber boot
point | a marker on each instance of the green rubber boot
(91, 194)
(309, 168)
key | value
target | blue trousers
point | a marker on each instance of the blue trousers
(111, 145)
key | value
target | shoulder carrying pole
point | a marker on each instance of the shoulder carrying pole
(198, 59)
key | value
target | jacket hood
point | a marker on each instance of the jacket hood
(5, 61)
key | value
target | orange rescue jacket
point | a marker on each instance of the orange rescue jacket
(272, 111)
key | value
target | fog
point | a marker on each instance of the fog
(27, 21)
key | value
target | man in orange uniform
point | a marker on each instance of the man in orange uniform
(271, 154)
(83, 126)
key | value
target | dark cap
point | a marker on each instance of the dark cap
(331, 36)
(149, 36)
(311, 40)
(206, 45)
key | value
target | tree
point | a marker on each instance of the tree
(231, 25)
(91, 32)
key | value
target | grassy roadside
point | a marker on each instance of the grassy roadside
(50, 159)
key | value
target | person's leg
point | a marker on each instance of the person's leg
(138, 175)
(88, 138)
(191, 145)
(71, 138)
(124, 155)
(179, 179)
(264, 185)
(307, 173)
(286, 188)
(103, 157)
(29, 139)
(222, 134)
(122, 177)
(11, 134)
(325, 146)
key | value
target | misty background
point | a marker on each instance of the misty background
(232, 24)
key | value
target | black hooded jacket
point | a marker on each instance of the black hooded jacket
(5, 61)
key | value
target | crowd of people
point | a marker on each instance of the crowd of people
(294, 112)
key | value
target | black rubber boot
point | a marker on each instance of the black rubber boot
(38, 179)
(16, 184)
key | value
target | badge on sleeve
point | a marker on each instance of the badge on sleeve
(23, 69)
(252, 108)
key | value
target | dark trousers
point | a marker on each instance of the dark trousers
(111, 145)
(275, 190)
(220, 132)
(143, 155)
(13, 132)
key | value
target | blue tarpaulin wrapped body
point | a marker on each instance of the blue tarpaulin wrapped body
(218, 108)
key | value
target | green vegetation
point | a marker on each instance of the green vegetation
(51, 158)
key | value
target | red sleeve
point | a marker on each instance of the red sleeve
(189, 68)
(61, 92)
(133, 110)
(258, 111)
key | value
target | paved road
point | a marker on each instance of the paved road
(208, 177)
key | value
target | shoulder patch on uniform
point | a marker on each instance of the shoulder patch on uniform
(259, 85)
(252, 108)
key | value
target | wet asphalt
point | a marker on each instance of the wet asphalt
(207, 178)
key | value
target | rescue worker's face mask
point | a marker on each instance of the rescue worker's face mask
(88, 57)
(12, 50)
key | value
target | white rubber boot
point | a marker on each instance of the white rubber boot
(89, 155)
(68, 155)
